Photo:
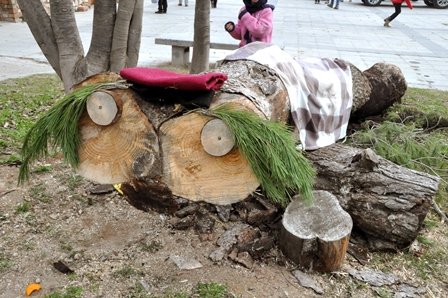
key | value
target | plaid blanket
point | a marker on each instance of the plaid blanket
(319, 90)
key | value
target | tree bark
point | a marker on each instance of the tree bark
(58, 37)
(39, 23)
(201, 42)
(387, 202)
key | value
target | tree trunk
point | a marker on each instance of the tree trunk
(201, 42)
(316, 236)
(387, 202)
(58, 37)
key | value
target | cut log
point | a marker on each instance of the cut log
(151, 140)
(216, 138)
(387, 84)
(192, 173)
(219, 177)
(121, 151)
(316, 236)
(103, 108)
(162, 151)
(387, 202)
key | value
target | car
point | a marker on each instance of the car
(431, 3)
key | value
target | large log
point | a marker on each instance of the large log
(150, 142)
(127, 147)
(192, 172)
(158, 152)
(387, 202)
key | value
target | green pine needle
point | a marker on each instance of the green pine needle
(271, 151)
(58, 128)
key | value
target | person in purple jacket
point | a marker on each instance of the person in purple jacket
(254, 22)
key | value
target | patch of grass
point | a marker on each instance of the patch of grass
(74, 181)
(409, 146)
(424, 240)
(12, 159)
(127, 272)
(5, 263)
(211, 290)
(429, 266)
(430, 222)
(384, 293)
(138, 291)
(151, 247)
(38, 192)
(66, 247)
(423, 107)
(23, 207)
(22, 101)
(69, 292)
(43, 169)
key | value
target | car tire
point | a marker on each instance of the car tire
(429, 3)
(374, 2)
(441, 4)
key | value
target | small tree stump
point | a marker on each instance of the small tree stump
(316, 236)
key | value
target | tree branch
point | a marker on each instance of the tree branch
(71, 51)
(98, 57)
(135, 32)
(39, 23)
(120, 37)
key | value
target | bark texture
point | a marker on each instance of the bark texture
(387, 202)
(201, 38)
(58, 37)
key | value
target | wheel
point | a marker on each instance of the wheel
(429, 3)
(440, 3)
(374, 2)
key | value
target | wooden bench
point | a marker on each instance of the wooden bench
(180, 49)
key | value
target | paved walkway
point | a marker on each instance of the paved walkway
(417, 41)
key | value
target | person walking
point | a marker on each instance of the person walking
(180, 2)
(214, 3)
(397, 6)
(163, 5)
(255, 22)
(334, 4)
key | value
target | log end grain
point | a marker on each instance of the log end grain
(316, 236)
(216, 138)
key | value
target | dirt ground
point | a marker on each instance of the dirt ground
(116, 250)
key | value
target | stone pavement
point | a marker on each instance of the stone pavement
(417, 41)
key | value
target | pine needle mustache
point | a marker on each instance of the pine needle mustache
(58, 128)
(270, 149)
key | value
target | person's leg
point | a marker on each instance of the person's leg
(180, 3)
(393, 16)
(331, 3)
(160, 9)
(165, 5)
(186, 2)
(336, 6)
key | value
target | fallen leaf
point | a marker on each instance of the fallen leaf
(32, 288)
(118, 188)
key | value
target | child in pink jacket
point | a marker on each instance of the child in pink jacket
(254, 22)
